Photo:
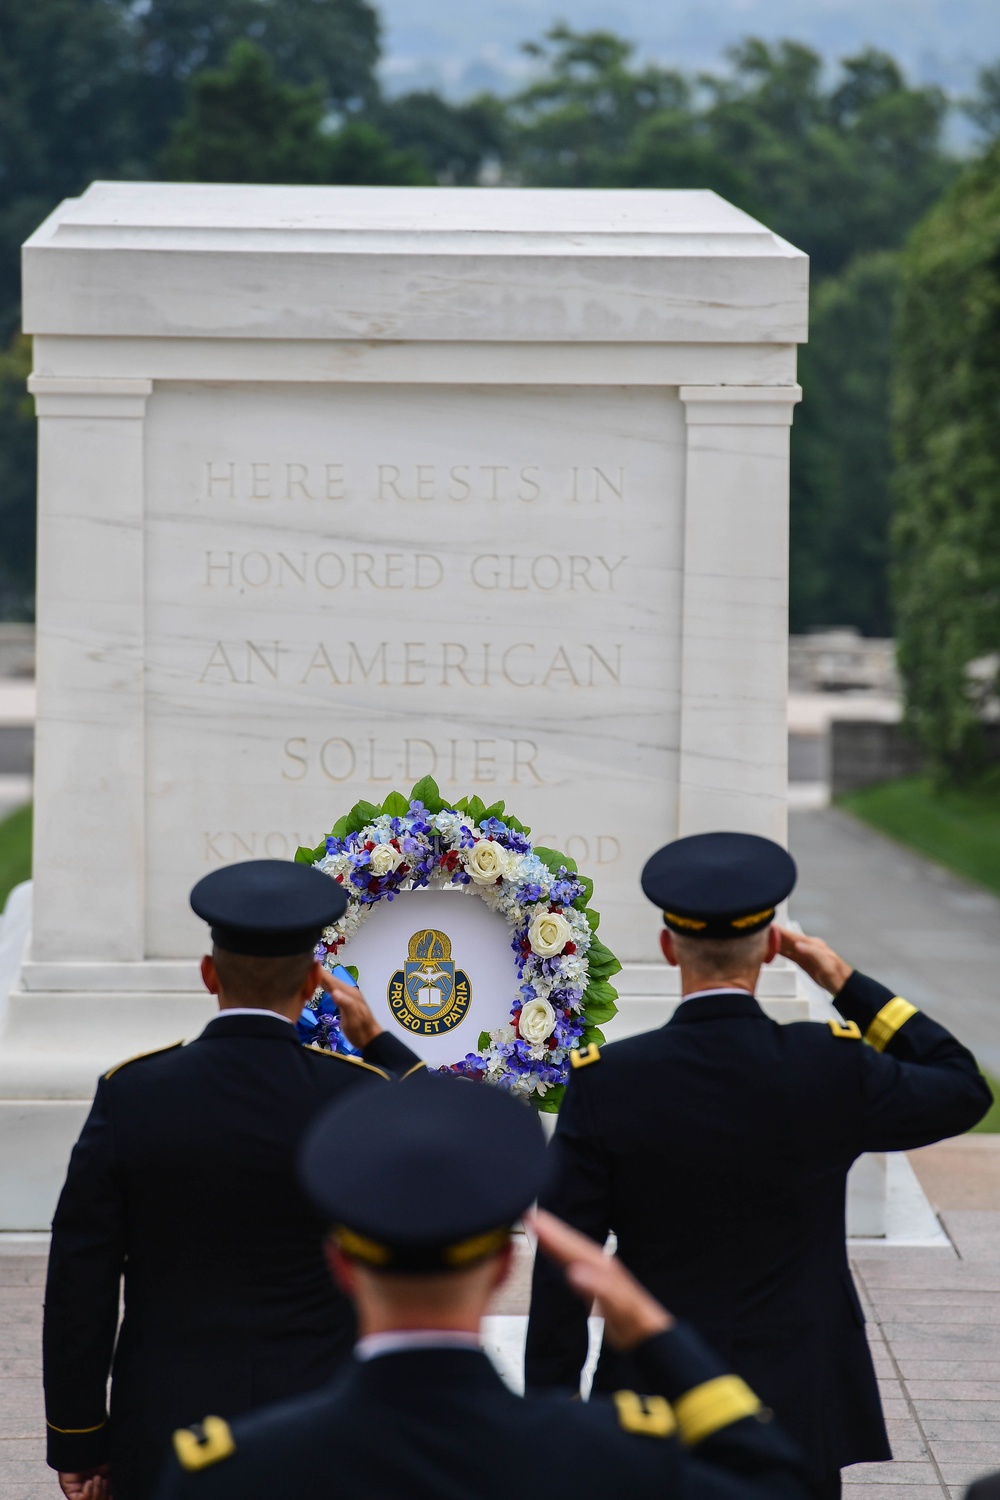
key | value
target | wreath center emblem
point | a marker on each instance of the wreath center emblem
(428, 995)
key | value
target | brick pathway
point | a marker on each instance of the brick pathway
(934, 1326)
(934, 1323)
(23, 1474)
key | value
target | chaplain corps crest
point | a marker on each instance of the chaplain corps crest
(428, 996)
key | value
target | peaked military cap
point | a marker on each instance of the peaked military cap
(268, 907)
(713, 885)
(427, 1176)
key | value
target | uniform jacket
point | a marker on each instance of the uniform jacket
(183, 1181)
(439, 1424)
(717, 1149)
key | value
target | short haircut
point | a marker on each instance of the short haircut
(721, 955)
(261, 981)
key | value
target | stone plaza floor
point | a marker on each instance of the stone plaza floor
(934, 1325)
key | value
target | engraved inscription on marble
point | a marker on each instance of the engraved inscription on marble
(352, 587)
(413, 664)
(249, 479)
(329, 572)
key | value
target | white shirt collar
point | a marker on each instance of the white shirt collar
(717, 989)
(250, 1010)
(402, 1340)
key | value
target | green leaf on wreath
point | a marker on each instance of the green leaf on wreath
(496, 811)
(306, 856)
(396, 805)
(360, 816)
(599, 1011)
(593, 918)
(599, 1002)
(426, 791)
(476, 809)
(554, 861)
(592, 1034)
(549, 1105)
(601, 961)
(588, 890)
(484, 1041)
(339, 830)
(516, 824)
(352, 969)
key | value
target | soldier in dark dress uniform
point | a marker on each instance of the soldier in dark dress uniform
(422, 1203)
(717, 1150)
(183, 1182)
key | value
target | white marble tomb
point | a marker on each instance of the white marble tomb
(339, 486)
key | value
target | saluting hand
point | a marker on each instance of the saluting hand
(91, 1484)
(817, 958)
(631, 1314)
(356, 1020)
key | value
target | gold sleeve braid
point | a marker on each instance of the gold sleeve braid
(716, 1404)
(888, 1021)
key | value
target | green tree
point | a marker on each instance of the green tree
(65, 118)
(946, 531)
(457, 141)
(572, 125)
(841, 453)
(839, 166)
(333, 44)
(243, 124)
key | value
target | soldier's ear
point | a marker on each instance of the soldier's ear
(311, 983)
(209, 977)
(773, 943)
(667, 944)
(342, 1269)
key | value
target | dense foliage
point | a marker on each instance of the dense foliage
(841, 457)
(947, 481)
(841, 162)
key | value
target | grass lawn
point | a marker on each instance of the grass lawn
(15, 851)
(991, 1122)
(960, 829)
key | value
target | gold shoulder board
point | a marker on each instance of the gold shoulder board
(346, 1057)
(197, 1447)
(849, 1030)
(140, 1055)
(647, 1416)
(582, 1057)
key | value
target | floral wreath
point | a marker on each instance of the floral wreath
(562, 967)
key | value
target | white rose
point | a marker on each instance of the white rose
(538, 1021)
(486, 862)
(549, 933)
(384, 859)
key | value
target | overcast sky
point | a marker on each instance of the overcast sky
(463, 45)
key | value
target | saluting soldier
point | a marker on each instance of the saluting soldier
(422, 1203)
(183, 1182)
(717, 1150)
